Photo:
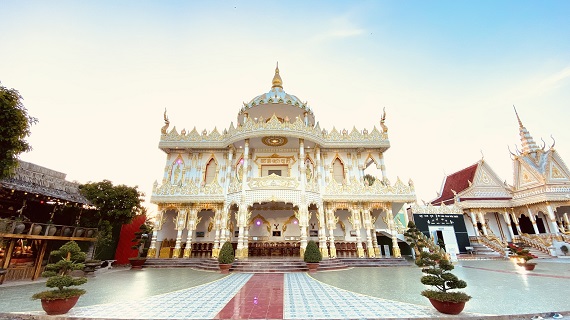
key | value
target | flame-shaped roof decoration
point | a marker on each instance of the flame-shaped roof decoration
(528, 144)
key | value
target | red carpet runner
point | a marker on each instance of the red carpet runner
(260, 298)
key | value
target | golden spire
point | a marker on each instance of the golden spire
(277, 82)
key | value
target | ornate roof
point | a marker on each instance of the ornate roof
(32, 178)
(455, 183)
(276, 96)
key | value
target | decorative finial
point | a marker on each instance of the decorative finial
(277, 82)
(519, 119)
(166, 123)
(382, 121)
(528, 144)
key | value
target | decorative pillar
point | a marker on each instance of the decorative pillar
(474, 222)
(533, 220)
(516, 221)
(377, 253)
(566, 221)
(395, 248)
(179, 226)
(331, 223)
(382, 166)
(482, 222)
(368, 228)
(322, 232)
(242, 218)
(246, 243)
(508, 221)
(319, 168)
(303, 216)
(217, 230)
(158, 222)
(552, 219)
(229, 168)
(191, 224)
(356, 225)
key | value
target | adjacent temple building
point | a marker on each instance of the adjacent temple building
(272, 182)
(478, 209)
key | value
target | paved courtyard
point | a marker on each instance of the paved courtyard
(499, 288)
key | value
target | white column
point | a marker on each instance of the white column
(508, 222)
(322, 233)
(357, 226)
(395, 248)
(482, 222)
(180, 226)
(319, 169)
(516, 221)
(191, 226)
(474, 222)
(331, 223)
(152, 252)
(303, 217)
(368, 227)
(552, 219)
(382, 166)
(566, 221)
(533, 220)
(217, 229)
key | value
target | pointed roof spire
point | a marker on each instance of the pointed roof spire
(528, 144)
(277, 82)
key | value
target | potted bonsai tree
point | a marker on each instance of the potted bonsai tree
(312, 256)
(63, 298)
(437, 269)
(523, 256)
(564, 249)
(226, 257)
(140, 240)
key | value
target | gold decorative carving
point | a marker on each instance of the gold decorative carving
(273, 182)
(274, 141)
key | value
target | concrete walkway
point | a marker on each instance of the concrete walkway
(500, 290)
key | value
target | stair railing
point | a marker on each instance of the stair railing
(494, 243)
(537, 242)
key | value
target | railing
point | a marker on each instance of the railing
(538, 242)
(493, 243)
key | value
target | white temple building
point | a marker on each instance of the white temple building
(532, 212)
(275, 180)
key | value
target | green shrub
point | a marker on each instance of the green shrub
(70, 256)
(564, 249)
(312, 253)
(226, 255)
(436, 267)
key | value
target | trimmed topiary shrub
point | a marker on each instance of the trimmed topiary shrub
(312, 253)
(70, 256)
(226, 255)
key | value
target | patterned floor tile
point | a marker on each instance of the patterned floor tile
(306, 298)
(201, 302)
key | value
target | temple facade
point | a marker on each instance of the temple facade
(274, 181)
(533, 211)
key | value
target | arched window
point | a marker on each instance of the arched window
(338, 171)
(210, 171)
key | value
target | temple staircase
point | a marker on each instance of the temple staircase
(275, 265)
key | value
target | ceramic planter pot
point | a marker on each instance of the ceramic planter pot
(59, 306)
(447, 307)
(225, 268)
(137, 263)
(312, 266)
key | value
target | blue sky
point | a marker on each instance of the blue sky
(98, 75)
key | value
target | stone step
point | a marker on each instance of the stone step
(274, 264)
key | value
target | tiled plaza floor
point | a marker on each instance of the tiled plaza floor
(499, 288)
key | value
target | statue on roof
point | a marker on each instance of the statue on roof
(166, 123)
(382, 120)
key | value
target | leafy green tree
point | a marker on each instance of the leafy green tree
(15, 128)
(115, 206)
(369, 179)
